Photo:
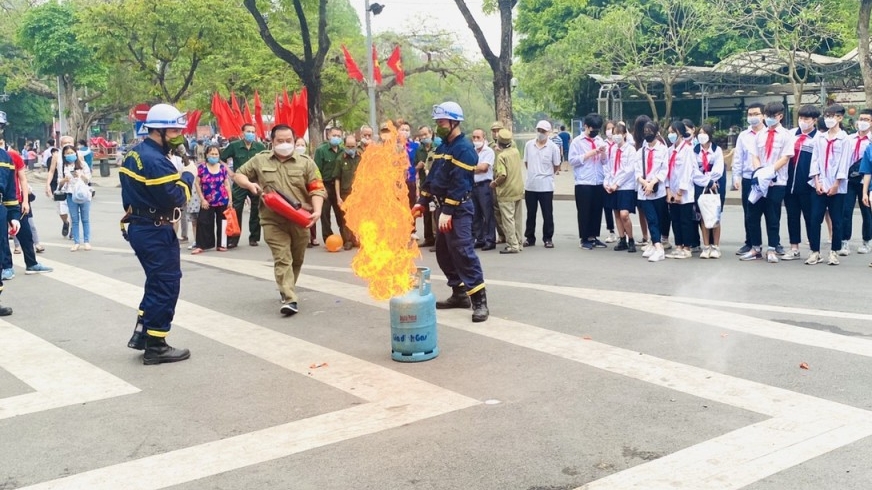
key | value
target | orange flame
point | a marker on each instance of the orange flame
(377, 211)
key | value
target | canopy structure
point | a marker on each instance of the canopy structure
(747, 74)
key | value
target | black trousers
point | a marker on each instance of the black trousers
(330, 203)
(589, 210)
(798, 206)
(746, 209)
(25, 238)
(209, 233)
(682, 224)
(484, 226)
(855, 196)
(533, 200)
(768, 207)
(819, 207)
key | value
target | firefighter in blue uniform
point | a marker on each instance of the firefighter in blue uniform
(153, 194)
(449, 184)
(10, 211)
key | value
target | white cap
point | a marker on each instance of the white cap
(543, 124)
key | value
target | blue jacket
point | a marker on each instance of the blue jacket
(800, 165)
(150, 181)
(451, 177)
(8, 190)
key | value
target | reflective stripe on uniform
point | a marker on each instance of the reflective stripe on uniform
(7, 165)
(156, 333)
(452, 202)
(166, 179)
(11, 203)
(449, 158)
(475, 289)
(185, 187)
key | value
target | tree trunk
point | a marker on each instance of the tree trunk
(503, 96)
(797, 103)
(317, 125)
(75, 115)
(863, 48)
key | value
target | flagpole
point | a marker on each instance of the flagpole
(370, 82)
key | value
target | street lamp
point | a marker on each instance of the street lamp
(376, 9)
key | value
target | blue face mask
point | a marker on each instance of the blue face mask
(672, 137)
(426, 141)
(70, 158)
(350, 152)
(212, 159)
(771, 121)
(334, 141)
(437, 141)
(250, 137)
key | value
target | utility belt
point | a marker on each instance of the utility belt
(483, 182)
(440, 201)
(157, 217)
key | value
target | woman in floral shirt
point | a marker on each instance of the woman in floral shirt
(213, 188)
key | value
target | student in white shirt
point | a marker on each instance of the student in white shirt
(743, 163)
(651, 169)
(680, 190)
(620, 187)
(857, 143)
(773, 149)
(797, 200)
(542, 161)
(607, 209)
(829, 177)
(709, 177)
(637, 138)
(587, 155)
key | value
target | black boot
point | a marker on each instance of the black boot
(5, 311)
(622, 245)
(631, 246)
(157, 351)
(458, 299)
(137, 340)
(479, 306)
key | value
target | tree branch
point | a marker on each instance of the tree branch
(323, 37)
(486, 51)
(283, 53)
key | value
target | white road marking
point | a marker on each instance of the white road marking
(802, 426)
(395, 399)
(59, 378)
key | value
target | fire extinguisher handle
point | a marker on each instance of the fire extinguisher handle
(293, 202)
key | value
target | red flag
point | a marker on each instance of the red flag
(193, 121)
(237, 114)
(376, 69)
(246, 114)
(300, 123)
(258, 117)
(350, 66)
(287, 109)
(396, 64)
(222, 114)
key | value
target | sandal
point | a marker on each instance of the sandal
(40, 249)
(222, 249)
(196, 251)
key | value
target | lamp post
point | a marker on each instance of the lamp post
(376, 9)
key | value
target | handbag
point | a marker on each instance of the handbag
(59, 195)
(854, 175)
(709, 205)
(233, 229)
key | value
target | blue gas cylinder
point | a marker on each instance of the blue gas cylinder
(413, 322)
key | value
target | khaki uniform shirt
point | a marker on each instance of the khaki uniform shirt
(297, 177)
(507, 171)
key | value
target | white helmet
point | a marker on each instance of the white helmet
(448, 110)
(165, 116)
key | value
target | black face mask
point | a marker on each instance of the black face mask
(650, 137)
(594, 133)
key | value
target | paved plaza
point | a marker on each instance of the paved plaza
(596, 370)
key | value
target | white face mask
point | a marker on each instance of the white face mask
(863, 125)
(608, 133)
(831, 122)
(618, 139)
(754, 120)
(541, 136)
(703, 138)
(478, 144)
(300, 150)
(805, 126)
(283, 149)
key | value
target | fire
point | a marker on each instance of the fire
(377, 211)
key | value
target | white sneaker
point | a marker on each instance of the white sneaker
(771, 257)
(813, 258)
(715, 252)
(667, 245)
(846, 249)
(834, 258)
(657, 256)
(792, 254)
(612, 238)
(864, 249)
(649, 251)
(706, 253)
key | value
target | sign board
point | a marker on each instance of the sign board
(140, 112)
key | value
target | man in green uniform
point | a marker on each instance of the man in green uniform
(496, 127)
(296, 176)
(346, 167)
(326, 157)
(240, 151)
(509, 185)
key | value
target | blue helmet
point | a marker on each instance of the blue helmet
(448, 110)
